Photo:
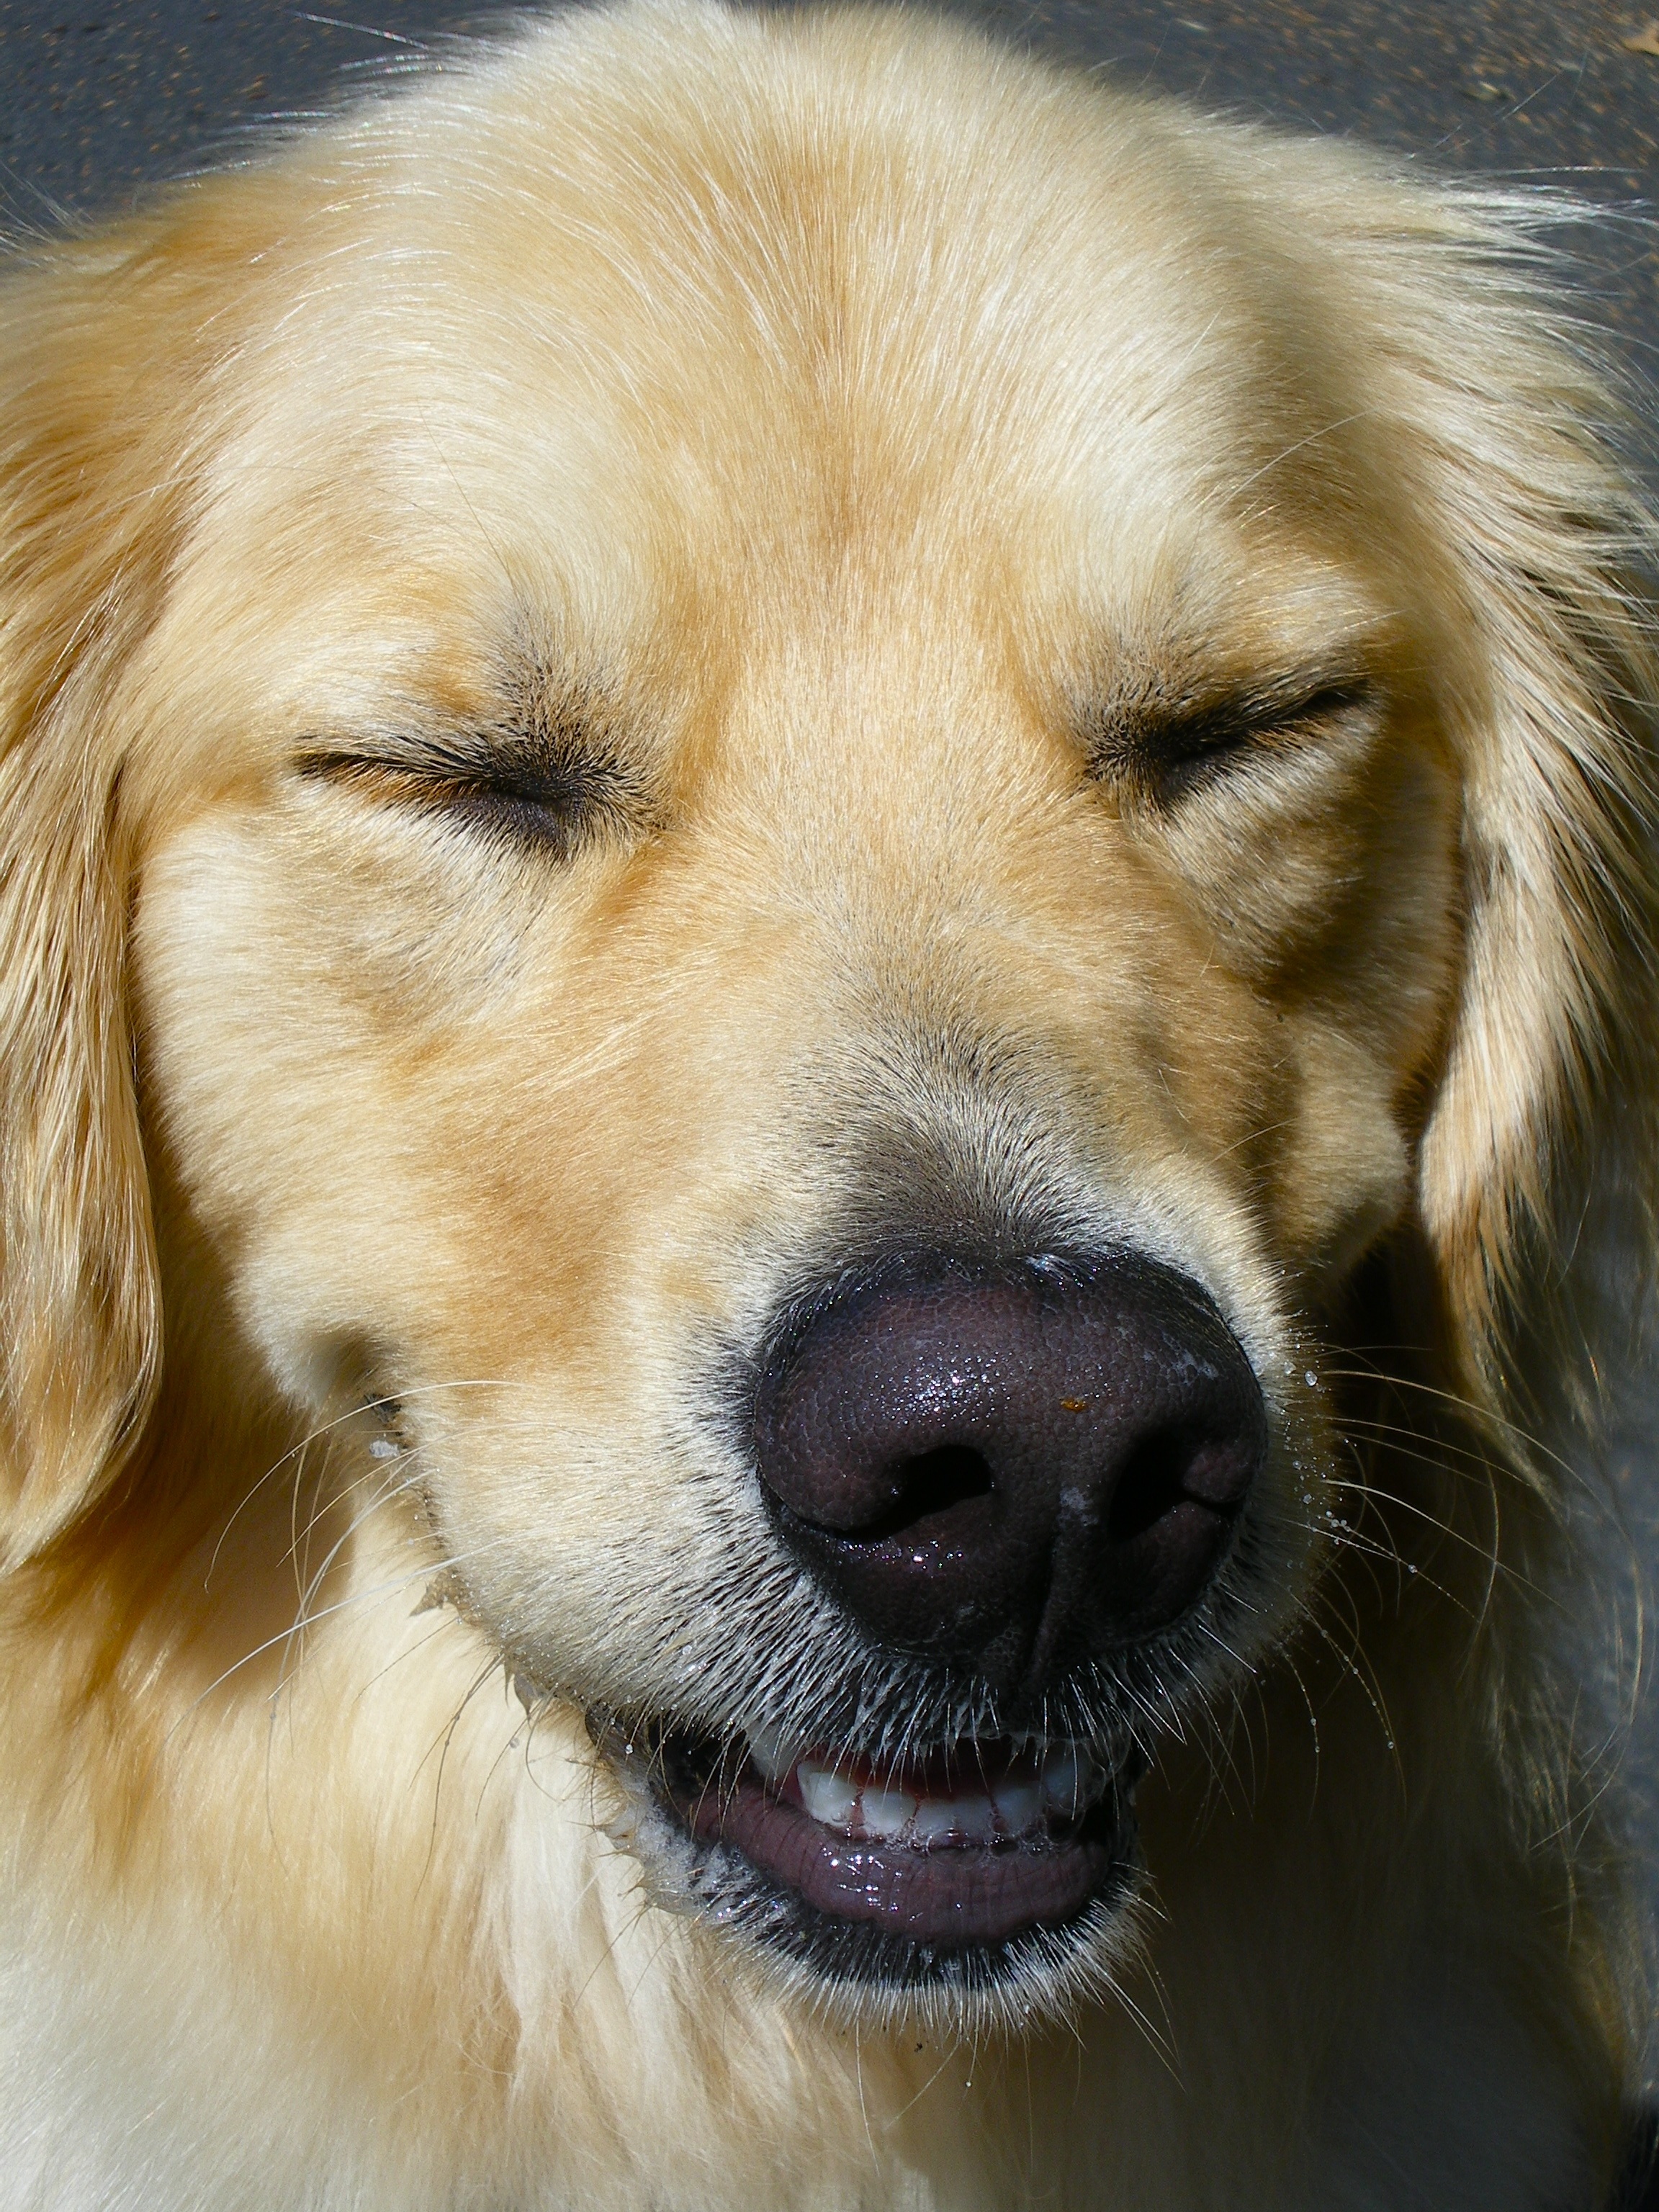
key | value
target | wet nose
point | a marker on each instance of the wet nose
(1018, 1468)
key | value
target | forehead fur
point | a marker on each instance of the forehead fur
(890, 321)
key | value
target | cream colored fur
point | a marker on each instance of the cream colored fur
(850, 432)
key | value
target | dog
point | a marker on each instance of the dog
(825, 867)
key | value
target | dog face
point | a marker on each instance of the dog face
(825, 812)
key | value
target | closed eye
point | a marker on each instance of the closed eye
(549, 795)
(1163, 751)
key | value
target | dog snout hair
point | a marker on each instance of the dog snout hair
(1020, 1467)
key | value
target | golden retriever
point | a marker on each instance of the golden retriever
(822, 863)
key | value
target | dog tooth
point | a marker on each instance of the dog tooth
(1064, 1779)
(827, 1796)
(772, 1751)
(1018, 1805)
(1058, 1778)
(973, 1817)
(935, 1821)
(887, 1812)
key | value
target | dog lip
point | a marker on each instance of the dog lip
(973, 1894)
(944, 1891)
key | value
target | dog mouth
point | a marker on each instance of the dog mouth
(951, 1865)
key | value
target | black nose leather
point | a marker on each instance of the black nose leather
(1019, 1469)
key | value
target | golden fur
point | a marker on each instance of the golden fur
(857, 438)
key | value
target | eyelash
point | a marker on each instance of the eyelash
(1174, 757)
(545, 807)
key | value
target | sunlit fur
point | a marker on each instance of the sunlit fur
(856, 441)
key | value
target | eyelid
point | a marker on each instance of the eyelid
(439, 761)
(1261, 712)
(1176, 747)
(1319, 701)
(546, 797)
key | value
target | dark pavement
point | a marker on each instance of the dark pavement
(97, 101)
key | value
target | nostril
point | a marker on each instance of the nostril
(928, 1484)
(934, 1482)
(1150, 1486)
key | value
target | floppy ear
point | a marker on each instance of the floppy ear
(1506, 428)
(90, 502)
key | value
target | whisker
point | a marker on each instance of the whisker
(1349, 1661)
(1480, 1416)
(352, 1413)
(441, 1743)
(415, 1576)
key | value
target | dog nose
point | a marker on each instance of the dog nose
(1019, 1469)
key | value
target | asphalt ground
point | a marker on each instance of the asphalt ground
(98, 102)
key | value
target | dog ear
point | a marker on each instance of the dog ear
(90, 503)
(1506, 426)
